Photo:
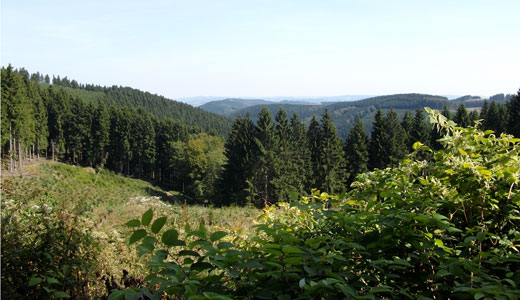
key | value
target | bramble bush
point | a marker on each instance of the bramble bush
(438, 229)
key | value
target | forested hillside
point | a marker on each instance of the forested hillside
(70, 125)
(344, 113)
(158, 106)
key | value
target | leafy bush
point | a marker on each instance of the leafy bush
(445, 228)
(44, 253)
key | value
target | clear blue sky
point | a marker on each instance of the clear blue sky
(270, 48)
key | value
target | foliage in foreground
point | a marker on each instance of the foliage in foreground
(438, 229)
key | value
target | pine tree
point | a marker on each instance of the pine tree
(100, 132)
(41, 121)
(484, 110)
(513, 109)
(332, 164)
(377, 146)
(313, 142)
(266, 163)
(283, 183)
(446, 112)
(462, 117)
(395, 146)
(421, 130)
(17, 109)
(473, 117)
(300, 171)
(407, 125)
(356, 151)
(240, 149)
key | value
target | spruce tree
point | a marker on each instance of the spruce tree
(300, 170)
(484, 110)
(462, 117)
(284, 182)
(332, 158)
(313, 142)
(100, 132)
(240, 149)
(356, 151)
(266, 163)
(395, 139)
(377, 146)
(421, 130)
(407, 124)
(446, 112)
(513, 109)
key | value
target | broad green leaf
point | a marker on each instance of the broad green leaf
(169, 237)
(145, 248)
(417, 145)
(51, 280)
(438, 242)
(61, 294)
(147, 217)
(133, 223)
(225, 245)
(479, 295)
(215, 236)
(158, 224)
(188, 252)
(116, 295)
(137, 235)
(34, 281)
(291, 249)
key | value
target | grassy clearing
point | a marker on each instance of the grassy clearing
(101, 203)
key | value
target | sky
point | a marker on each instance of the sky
(253, 48)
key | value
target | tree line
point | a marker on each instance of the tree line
(45, 120)
(276, 160)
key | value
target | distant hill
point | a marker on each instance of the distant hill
(229, 106)
(344, 113)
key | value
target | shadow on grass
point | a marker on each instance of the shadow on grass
(165, 196)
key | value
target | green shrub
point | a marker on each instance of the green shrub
(45, 254)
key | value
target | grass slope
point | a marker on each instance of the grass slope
(100, 204)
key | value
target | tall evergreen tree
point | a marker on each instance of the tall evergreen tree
(446, 112)
(473, 117)
(313, 142)
(17, 108)
(284, 181)
(462, 117)
(332, 164)
(356, 151)
(100, 132)
(407, 125)
(395, 142)
(299, 149)
(240, 149)
(484, 110)
(421, 130)
(513, 109)
(266, 160)
(377, 146)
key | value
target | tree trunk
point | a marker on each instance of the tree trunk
(52, 149)
(10, 149)
(19, 156)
